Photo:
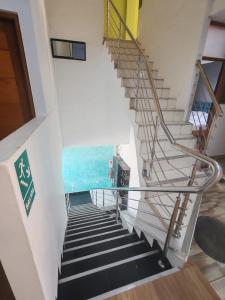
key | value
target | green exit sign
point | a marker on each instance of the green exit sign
(25, 180)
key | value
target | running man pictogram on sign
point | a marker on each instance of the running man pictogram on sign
(25, 180)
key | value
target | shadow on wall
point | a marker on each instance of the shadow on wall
(86, 168)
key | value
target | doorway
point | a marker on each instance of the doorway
(16, 103)
(5, 289)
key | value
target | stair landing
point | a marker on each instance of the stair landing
(186, 284)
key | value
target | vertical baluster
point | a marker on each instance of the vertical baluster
(103, 198)
(117, 207)
(107, 21)
(96, 198)
(171, 226)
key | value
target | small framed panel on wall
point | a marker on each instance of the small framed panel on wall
(67, 49)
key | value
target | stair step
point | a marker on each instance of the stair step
(84, 210)
(176, 128)
(167, 147)
(146, 93)
(97, 237)
(170, 115)
(115, 276)
(94, 222)
(133, 73)
(86, 216)
(120, 44)
(99, 225)
(181, 161)
(132, 65)
(165, 103)
(124, 51)
(127, 57)
(98, 246)
(141, 82)
(88, 219)
(111, 256)
(99, 253)
(90, 232)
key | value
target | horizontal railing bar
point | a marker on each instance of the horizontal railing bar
(217, 171)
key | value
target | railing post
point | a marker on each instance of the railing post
(117, 207)
(107, 21)
(96, 196)
(103, 198)
(171, 226)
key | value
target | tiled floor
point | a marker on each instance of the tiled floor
(213, 204)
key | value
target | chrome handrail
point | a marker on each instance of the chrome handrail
(217, 171)
(190, 188)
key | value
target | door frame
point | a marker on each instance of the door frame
(13, 17)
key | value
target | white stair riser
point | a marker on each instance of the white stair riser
(143, 93)
(131, 65)
(180, 163)
(124, 51)
(127, 57)
(171, 174)
(141, 83)
(150, 104)
(167, 147)
(121, 44)
(176, 130)
(123, 73)
(169, 116)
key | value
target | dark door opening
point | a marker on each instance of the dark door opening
(5, 289)
(16, 103)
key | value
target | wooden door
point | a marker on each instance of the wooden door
(16, 103)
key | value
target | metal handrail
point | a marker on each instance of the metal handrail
(216, 169)
(177, 216)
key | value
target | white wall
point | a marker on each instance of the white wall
(93, 110)
(215, 42)
(172, 33)
(30, 247)
(218, 10)
(128, 152)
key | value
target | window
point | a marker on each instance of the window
(68, 49)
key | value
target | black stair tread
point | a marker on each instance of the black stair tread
(90, 220)
(95, 239)
(111, 211)
(85, 209)
(100, 247)
(77, 226)
(103, 259)
(110, 279)
(93, 232)
(89, 227)
(87, 215)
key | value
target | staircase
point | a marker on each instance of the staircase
(101, 256)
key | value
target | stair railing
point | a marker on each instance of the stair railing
(146, 98)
